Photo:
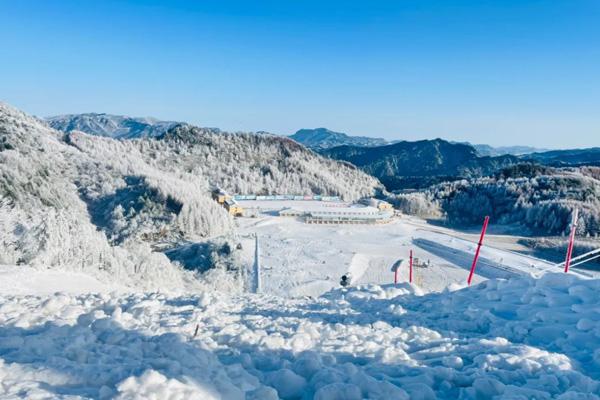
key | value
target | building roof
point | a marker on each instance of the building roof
(359, 212)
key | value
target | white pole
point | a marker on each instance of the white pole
(257, 283)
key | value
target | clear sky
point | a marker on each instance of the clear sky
(501, 72)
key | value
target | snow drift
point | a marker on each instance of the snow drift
(520, 339)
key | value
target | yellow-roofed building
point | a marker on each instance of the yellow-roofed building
(220, 196)
(234, 208)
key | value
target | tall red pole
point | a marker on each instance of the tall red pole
(571, 239)
(410, 268)
(396, 275)
(485, 224)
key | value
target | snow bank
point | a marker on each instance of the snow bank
(524, 338)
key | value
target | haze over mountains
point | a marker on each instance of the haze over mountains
(419, 164)
(571, 157)
(487, 150)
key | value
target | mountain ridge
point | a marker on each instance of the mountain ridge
(323, 138)
(111, 125)
(403, 164)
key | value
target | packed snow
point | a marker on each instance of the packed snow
(22, 279)
(299, 259)
(521, 338)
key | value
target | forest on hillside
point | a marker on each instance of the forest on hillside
(539, 198)
(96, 204)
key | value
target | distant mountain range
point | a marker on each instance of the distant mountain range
(114, 126)
(487, 150)
(422, 163)
(561, 158)
(398, 165)
(322, 138)
(419, 164)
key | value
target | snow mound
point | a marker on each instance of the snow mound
(523, 338)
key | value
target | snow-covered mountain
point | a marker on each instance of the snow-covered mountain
(101, 205)
(421, 163)
(63, 208)
(322, 138)
(487, 150)
(114, 126)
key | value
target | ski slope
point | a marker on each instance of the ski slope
(301, 259)
(67, 335)
(520, 339)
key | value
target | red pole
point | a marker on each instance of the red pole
(410, 268)
(396, 274)
(485, 224)
(571, 240)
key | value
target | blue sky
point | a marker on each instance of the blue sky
(500, 72)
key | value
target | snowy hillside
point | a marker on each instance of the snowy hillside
(525, 338)
(537, 198)
(100, 205)
(60, 208)
(115, 126)
(260, 164)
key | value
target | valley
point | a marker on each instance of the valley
(299, 259)
(123, 276)
(300, 200)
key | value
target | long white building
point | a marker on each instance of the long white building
(340, 215)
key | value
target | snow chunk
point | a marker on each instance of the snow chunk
(288, 384)
(152, 385)
(339, 391)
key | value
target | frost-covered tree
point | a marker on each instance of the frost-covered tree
(542, 199)
(102, 206)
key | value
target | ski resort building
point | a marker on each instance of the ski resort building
(285, 197)
(339, 215)
(224, 199)
(381, 205)
(220, 196)
(292, 212)
(234, 208)
(352, 215)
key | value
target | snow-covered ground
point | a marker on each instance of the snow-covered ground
(23, 279)
(520, 339)
(67, 335)
(299, 259)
